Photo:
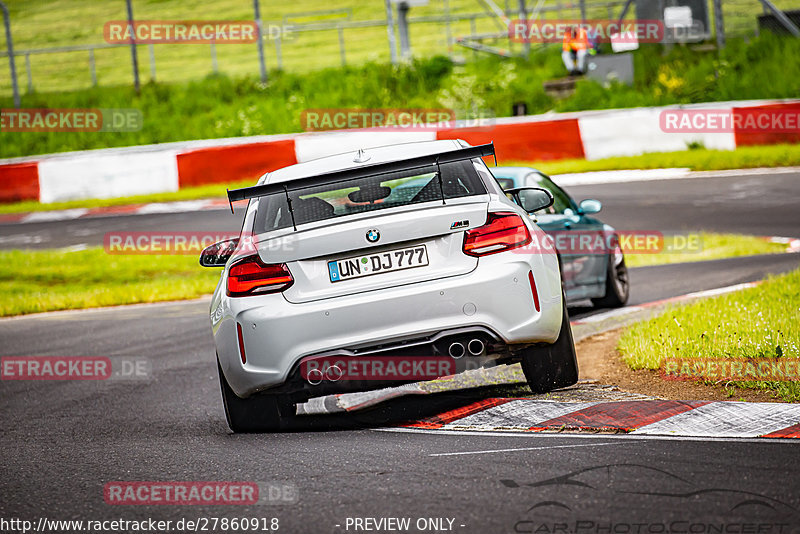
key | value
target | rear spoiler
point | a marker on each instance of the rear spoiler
(450, 156)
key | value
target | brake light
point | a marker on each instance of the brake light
(502, 231)
(249, 276)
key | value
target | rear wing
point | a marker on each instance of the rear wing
(450, 156)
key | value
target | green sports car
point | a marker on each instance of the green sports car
(591, 258)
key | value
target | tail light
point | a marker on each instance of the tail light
(249, 276)
(502, 231)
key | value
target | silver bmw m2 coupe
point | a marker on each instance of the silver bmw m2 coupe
(385, 255)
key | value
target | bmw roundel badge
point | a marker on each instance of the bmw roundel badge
(373, 235)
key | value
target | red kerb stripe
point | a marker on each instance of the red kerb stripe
(438, 421)
(623, 415)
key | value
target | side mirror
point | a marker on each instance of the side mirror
(589, 206)
(218, 254)
(532, 198)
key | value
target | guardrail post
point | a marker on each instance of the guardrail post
(448, 30)
(10, 46)
(134, 57)
(523, 15)
(260, 37)
(28, 71)
(472, 31)
(390, 31)
(92, 67)
(341, 46)
(402, 29)
(152, 62)
(278, 52)
(719, 24)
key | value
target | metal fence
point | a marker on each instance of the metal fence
(317, 38)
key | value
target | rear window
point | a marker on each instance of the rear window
(371, 193)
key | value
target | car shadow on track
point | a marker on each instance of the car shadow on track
(419, 410)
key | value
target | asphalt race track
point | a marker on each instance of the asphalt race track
(63, 441)
(750, 204)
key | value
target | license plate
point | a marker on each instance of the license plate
(381, 262)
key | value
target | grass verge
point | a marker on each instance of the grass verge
(62, 23)
(703, 246)
(696, 160)
(236, 105)
(761, 322)
(38, 281)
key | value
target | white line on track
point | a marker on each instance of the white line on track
(646, 175)
(491, 451)
(618, 437)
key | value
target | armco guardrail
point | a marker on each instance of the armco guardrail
(592, 135)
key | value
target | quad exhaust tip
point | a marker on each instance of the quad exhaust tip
(476, 347)
(456, 350)
(314, 377)
(333, 373)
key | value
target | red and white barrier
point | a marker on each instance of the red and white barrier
(525, 138)
(169, 167)
(88, 175)
(637, 131)
(19, 181)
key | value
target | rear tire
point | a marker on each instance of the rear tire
(617, 285)
(258, 413)
(553, 366)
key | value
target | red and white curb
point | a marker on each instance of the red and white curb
(725, 419)
(656, 417)
(792, 244)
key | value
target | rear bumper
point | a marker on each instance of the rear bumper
(277, 334)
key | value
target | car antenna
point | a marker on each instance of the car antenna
(439, 174)
(289, 203)
(361, 156)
